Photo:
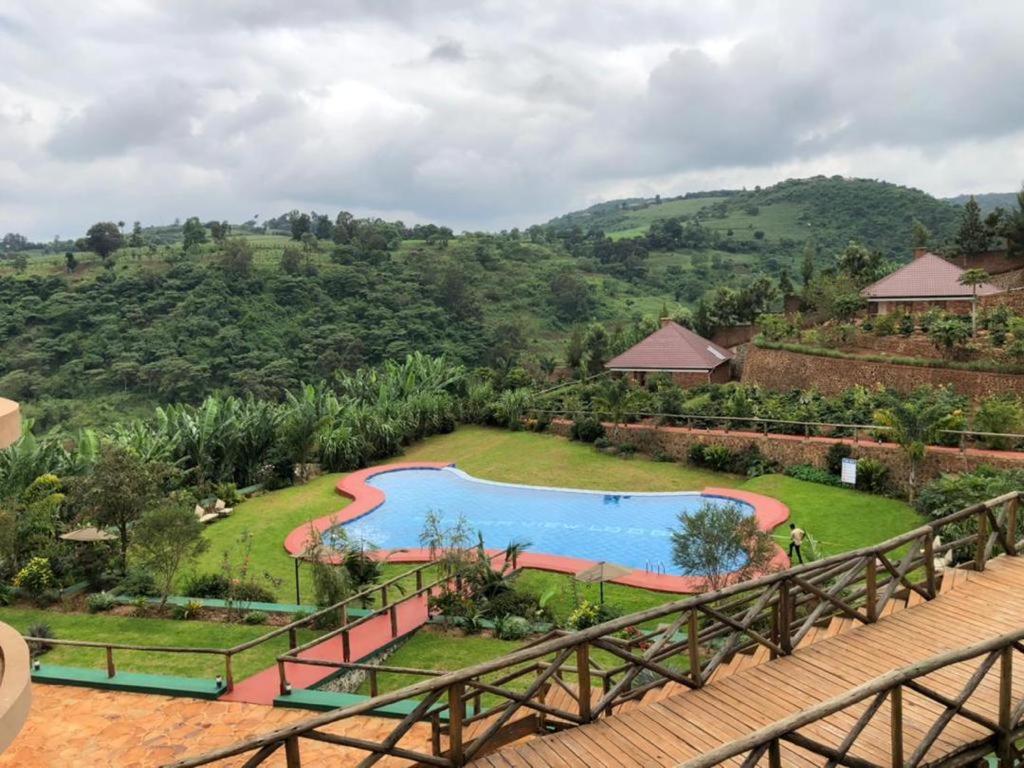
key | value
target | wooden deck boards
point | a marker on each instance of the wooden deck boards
(972, 607)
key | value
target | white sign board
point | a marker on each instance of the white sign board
(849, 472)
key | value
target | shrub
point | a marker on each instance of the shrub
(906, 324)
(812, 474)
(255, 617)
(601, 443)
(626, 450)
(98, 602)
(44, 632)
(511, 628)
(513, 603)
(872, 476)
(586, 615)
(885, 325)
(835, 455)
(586, 429)
(695, 455)
(717, 457)
(208, 585)
(190, 610)
(951, 493)
(6, 594)
(999, 414)
(138, 583)
(36, 578)
(251, 592)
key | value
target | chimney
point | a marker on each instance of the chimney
(665, 321)
(920, 251)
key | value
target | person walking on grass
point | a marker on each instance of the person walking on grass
(796, 539)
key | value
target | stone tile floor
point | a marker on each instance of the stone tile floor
(79, 728)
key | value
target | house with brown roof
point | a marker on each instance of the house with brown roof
(927, 281)
(690, 359)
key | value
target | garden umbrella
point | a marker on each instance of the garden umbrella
(602, 572)
(88, 534)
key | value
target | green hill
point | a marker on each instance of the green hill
(830, 211)
(159, 323)
(988, 201)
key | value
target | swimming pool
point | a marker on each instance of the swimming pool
(630, 529)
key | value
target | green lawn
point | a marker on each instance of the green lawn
(129, 630)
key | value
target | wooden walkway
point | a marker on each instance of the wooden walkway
(680, 728)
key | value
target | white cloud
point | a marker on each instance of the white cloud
(483, 115)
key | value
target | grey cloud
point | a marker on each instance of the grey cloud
(120, 122)
(448, 50)
(252, 105)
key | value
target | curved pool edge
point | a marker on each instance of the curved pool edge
(769, 512)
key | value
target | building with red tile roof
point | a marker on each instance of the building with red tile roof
(927, 281)
(673, 349)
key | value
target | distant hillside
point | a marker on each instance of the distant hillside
(988, 201)
(830, 211)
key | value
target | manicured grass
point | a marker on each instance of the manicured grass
(536, 459)
(840, 519)
(142, 631)
(435, 649)
(270, 518)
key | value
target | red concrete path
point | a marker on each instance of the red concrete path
(365, 639)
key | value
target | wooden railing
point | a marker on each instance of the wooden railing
(681, 642)
(339, 612)
(963, 438)
(1000, 734)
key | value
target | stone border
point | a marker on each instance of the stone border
(770, 513)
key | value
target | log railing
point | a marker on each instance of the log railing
(963, 438)
(888, 697)
(690, 639)
(338, 612)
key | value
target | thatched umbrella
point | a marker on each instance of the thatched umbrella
(600, 573)
(88, 534)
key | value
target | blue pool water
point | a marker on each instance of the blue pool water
(630, 529)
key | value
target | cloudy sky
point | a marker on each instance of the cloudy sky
(488, 114)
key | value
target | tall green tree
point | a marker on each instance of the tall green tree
(721, 544)
(103, 238)
(167, 538)
(236, 257)
(914, 425)
(921, 235)
(118, 490)
(807, 265)
(193, 233)
(973, 237)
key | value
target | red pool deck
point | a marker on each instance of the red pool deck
(366, 498)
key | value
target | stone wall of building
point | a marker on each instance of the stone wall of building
(790, 450)
(782, 370)
(10, 422)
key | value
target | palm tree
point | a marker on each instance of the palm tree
(974, 278)
(915, 425)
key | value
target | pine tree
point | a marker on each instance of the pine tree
(807, 268)
(972, 238)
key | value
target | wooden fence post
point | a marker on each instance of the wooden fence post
(896, 726)
(929, 564)
(110, 662)
(774, 754)
(583, 680)
(393, 612)
(384, 596)
(346, 648)
(785, 618)
(871, 587)
(1012, 508)
(291, 752)
(1005, 750)
(979, 549)
(419, 580)
(373, 683)
(693, 647)
(455, 714)
(229, 675)
(282, 678)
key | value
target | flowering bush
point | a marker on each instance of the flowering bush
(36, 577)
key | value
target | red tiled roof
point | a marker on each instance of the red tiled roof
(926, 277)
(671, 348)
